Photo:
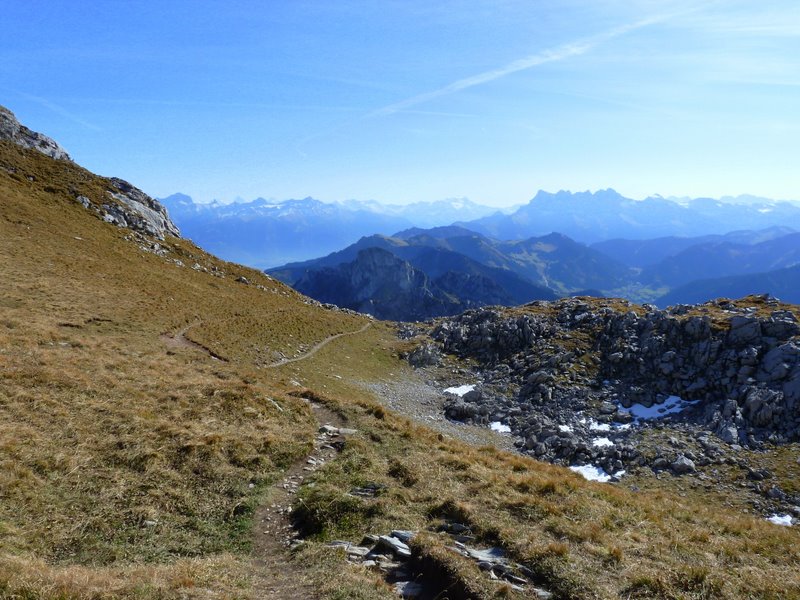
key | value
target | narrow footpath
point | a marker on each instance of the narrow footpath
(275, 576)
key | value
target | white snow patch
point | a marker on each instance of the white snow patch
(671, 405)
(460, 390)
(565, 428)
(602, 442)
(499, 427)
(591, 473)
(784, 520)
(594, 425)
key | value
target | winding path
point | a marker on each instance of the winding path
(317, 347)
(179, 340)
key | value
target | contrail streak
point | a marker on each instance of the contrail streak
(547, 56)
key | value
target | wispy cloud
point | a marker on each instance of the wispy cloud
(556, 54)
(184, 103)
(59, 110)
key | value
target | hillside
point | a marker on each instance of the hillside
(781, 283)
(468, 268)
(160, 437)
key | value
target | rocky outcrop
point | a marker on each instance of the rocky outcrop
(124, 205)
(744, 372)
(579, 381)
(13, 131)
(136, 210)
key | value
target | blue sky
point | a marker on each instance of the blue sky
(402, 101)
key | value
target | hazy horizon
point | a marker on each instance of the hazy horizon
(739, 198)
(404, 102)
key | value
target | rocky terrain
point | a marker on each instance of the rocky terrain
(12, 130)
(608, 387)
(120, 203)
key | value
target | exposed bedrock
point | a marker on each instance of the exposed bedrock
(573, 379)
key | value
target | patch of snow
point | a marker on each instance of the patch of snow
(565, 428)
(783, 520)
(498, 426)
(594, 425)
(460, 390)
(591, 473)
(602, 442)
(619, 474)
(671, 405)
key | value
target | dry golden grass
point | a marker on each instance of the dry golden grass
(116, 448)
(583, 539)
(222, 575)
(126, 464)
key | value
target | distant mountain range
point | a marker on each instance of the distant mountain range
(458, 267)
(781, 283)
(380, 283)
(428, 214)
(265, 233)
(420, 273)
(722, 259)
(592, 217)
(651, 250)
(646, 253)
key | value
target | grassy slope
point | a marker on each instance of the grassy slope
(125, 466)
(104, 430)
(585, 540)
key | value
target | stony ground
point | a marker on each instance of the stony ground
(422, 399)
(708, 392)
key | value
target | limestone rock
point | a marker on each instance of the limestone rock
(425, 355)
(139, 212)
(12, 130)
(682, 465)
(127, 206)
